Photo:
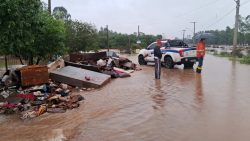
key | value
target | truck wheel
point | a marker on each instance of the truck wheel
(188, 65)
(168, 62)
(141, 60)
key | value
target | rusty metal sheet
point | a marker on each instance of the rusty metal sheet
(87, 67)
(77, 57)
(77, 77)
(34, 75)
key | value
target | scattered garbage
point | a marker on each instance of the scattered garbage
(104, 62)
(34, 90)
(34, 101)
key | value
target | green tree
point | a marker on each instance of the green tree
(80, 36)
(121, 41)
(49, 38)
(61, 13)
(27, 31)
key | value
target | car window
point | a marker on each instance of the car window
(177, 43)
(167, 44)
(174, 43)
(152, 46)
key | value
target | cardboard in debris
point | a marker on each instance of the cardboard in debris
(56, 65)
(77, 77)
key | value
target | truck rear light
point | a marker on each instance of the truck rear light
(181, 53)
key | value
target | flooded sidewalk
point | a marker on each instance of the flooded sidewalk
(181, 106)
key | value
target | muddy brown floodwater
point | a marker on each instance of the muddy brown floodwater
(182, 106)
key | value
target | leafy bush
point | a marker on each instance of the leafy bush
(245, 60)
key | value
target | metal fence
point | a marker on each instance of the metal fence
(11, 60)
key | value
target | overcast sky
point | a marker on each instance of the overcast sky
(166, 17)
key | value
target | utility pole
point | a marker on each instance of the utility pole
(236, 25)
(107, 37)
(138, 34)
(49, 6)
(129, 44)
(183, 35)
(194, 32)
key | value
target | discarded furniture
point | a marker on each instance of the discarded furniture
(80, 77)
(34, 75)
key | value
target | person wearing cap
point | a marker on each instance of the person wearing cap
(157, 58)
(200, 49)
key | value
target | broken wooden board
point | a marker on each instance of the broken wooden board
(80, 77)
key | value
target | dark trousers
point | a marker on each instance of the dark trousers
(200, 64)
(157, 68)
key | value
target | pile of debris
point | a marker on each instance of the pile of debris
(17, 95)
(35, 90)
(34, 101)
(105, 62)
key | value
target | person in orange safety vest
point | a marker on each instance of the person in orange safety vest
(200, 49)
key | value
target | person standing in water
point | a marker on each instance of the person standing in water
(157, 57)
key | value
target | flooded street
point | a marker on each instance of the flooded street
(182, 106)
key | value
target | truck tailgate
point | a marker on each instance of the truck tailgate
(189, 52)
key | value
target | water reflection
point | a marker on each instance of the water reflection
(198, 89)
(158, 96)
(233, 80)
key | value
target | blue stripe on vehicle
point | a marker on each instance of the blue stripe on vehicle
(164, 51)
(189, 49)
(174, 51)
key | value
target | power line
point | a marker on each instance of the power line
(244, 3)
(199, 8)
(243, 9)
(224, 16)
(227, 14)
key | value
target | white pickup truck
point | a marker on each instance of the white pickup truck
(174, 52)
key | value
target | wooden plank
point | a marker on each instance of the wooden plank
(79, 77)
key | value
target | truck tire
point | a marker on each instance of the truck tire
(188, 65)
(141, 60)
(168, 62)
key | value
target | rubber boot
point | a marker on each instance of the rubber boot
(198, 69)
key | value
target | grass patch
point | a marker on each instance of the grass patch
(238, 57)
(223, 54)
(245, 60)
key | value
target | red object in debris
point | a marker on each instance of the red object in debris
(26, 96)
(87, 78)
(9, 105)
